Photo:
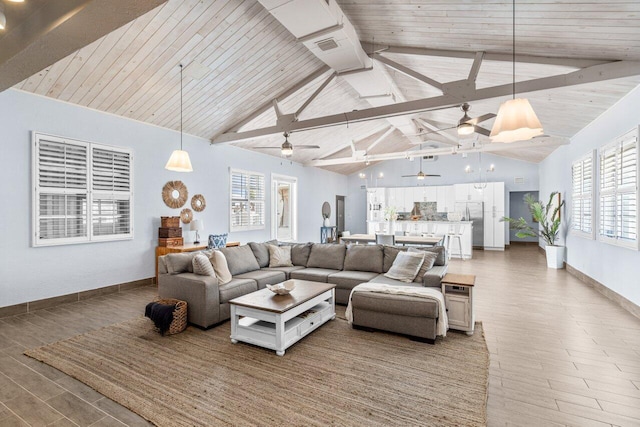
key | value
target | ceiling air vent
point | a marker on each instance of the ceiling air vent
(327, 44)
(518, 180)
(430, 158)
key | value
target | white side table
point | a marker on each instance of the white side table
(458, 296)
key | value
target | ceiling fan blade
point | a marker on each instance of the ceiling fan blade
(481, 118)
(433, 131)
(268, 148)
(409, 176)
(426, 174)
(306, 147)
(481, 131)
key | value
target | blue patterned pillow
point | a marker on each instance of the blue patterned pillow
(217, 241)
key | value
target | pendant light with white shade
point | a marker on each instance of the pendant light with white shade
(179, 160)
(516, 120)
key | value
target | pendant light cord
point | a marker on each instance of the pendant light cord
(513, 47)
(180, 106)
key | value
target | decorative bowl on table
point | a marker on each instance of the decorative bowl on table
(282, 288)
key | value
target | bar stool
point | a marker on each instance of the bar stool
(385, 239)
(455, 234)
(430, 230)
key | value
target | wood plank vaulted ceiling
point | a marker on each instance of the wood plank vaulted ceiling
(133, 71)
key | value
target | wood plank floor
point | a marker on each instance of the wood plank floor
(561, 353)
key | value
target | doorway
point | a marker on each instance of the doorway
(339, 215)
(284, 209)
(518, 208)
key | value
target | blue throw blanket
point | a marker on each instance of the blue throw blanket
(161, 314)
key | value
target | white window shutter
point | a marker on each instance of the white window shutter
(83, 191)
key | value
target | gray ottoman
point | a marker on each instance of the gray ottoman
(401, 314)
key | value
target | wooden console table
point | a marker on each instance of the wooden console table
(190, 247)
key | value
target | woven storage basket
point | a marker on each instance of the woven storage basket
(179, 315)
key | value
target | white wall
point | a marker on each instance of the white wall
(451, 169)
(616, 268)
(28, 274)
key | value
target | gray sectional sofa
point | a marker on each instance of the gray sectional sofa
(339, 264)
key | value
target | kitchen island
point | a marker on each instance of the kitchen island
(437, 228)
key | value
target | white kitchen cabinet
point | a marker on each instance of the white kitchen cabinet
(399, 199)
(391, 197)
(431, 194)
(493, 197)
(419, 194)
(494, 229)
(467, 193)
(445, 198)
(450, 199)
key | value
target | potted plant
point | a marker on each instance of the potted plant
(548, 218)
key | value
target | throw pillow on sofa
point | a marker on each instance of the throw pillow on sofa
(202, 266)
(219, 263)
(240, 259)
(280, 256)
(429, 260)
(261, 251)
(327, 255)
(179, 263)
(364, 258)
(217, 241)
(406, 266)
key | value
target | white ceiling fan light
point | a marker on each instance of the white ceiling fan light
(464, 127)
(287, 148)
(420, 175)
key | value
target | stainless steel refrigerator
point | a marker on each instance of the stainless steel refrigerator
(474, 212)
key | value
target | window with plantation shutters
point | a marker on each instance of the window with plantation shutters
(82, 192)
(618, 198)
(247, 200)
(111, 196)
(582, 196)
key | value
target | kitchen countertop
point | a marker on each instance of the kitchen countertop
(421, 220)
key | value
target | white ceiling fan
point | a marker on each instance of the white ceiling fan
(420, 175)
(466, 125)
(286, 149)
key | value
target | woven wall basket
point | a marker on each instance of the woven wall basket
(168, 196)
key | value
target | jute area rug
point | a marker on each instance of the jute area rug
(334, 376)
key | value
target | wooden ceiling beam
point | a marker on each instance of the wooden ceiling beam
(408, 71)
(313, 96)
(488, 56)
(281, 96)
(595, 73)
(381, 138)
(488, 148)
(475, 67)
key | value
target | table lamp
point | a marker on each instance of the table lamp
(197, 225)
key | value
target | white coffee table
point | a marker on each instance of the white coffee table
(277, 322)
